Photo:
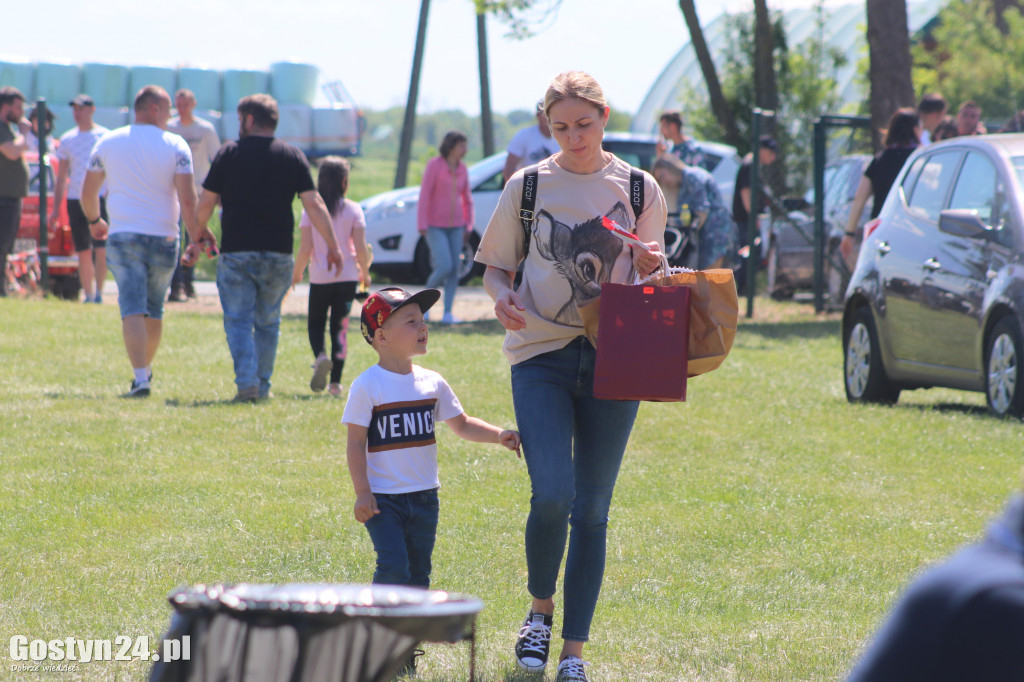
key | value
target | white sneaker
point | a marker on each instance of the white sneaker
(450, 319)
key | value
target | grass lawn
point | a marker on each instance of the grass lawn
(759, 531)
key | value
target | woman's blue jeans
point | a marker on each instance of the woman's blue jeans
(573, 444)
(445, 248)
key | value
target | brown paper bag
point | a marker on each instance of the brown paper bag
(714, 313)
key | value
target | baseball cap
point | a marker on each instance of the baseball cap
(82, 101)
(381, 304)
(768, 142)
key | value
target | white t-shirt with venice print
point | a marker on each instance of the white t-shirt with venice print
(571, 253)
(400, 412)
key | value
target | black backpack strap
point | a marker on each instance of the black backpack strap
(636, 191)
(527, 205)
(529, 200)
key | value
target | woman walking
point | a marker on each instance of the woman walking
(901, 139)
(445, 215)
(573, 443)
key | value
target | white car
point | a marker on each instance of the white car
(391, 217)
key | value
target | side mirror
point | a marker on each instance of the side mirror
(962, 222)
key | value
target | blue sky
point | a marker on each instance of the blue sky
(368, 44)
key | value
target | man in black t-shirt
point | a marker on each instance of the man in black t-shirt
(255, 180)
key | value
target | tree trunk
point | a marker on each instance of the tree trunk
(999, 7)
(720, 107)
(485, 84)
(889, 51)
(409, 123)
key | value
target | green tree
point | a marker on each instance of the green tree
(969, 57)
(806, 87)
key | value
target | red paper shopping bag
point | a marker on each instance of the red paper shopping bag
(644, 332)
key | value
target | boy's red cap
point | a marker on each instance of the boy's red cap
(381, 304)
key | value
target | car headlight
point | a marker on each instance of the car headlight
(385, 211)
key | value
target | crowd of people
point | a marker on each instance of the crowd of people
(132, 190)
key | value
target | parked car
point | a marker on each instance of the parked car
(62, 260)
(391, 217)
(790, 252)
(937, 297)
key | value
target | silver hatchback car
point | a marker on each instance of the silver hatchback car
(937, 297)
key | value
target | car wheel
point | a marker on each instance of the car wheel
(423, 263)
(469, 268)
(863, 373)
(776, 288)
(1004, 385)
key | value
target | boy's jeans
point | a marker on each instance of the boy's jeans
(573, 444)
(252, 285)
(403, 537)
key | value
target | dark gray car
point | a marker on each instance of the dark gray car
(937, 297)
(790, 255)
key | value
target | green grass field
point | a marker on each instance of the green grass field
(759, 531)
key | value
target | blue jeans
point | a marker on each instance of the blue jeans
(143, 266)
(445, 248)
(252, 285)
(403, 537)
(573, 444)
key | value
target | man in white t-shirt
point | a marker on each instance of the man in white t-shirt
(73, 154)
(204, 142)
(148, 172)
(530, 145)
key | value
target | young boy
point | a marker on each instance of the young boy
(392, 454)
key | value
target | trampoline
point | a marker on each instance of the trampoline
(308, 632)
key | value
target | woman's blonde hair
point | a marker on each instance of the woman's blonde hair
(574, 85)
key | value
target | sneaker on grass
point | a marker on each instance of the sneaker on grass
(321, 368)
(246, 395)
(534, 642)
(138, 390)
(571, 670)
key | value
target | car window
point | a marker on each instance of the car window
(491, 184)
(853, 180)
(1018, 168)
(907, 186)
(975, 188)
(928, 196)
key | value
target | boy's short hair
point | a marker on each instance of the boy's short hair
(382, 304)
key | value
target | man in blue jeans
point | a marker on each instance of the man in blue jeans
(148, 172)
(255, 180)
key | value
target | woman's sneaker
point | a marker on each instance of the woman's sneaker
(321, 368)
(534, 642)
(571, 670)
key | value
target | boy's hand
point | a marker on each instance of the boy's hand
(366, 507)
(511, 440)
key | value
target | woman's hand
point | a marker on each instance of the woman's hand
(646, 262)
(507, 307)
